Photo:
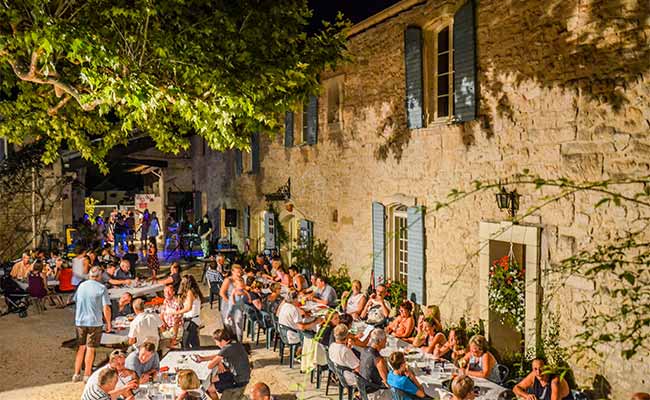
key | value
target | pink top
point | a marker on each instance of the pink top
(168, 306)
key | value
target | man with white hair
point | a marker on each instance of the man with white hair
(145, 327)
(373, 367)
(22, 268)
(127, 380)
(342, 355)
(92, 301)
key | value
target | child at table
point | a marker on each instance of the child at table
(402, 378)
(238, 299)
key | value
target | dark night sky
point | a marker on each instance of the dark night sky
(354, 10)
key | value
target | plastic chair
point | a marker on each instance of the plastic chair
(250, 320)
(284, 341)
(214, 291)
(269, 328)
(365, 386)
(318, 368)
(401, 395)
(503, 372)
(338, 371)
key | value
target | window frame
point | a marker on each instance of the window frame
(397, 218)
(430, 67)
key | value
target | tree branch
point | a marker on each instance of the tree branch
(52, 111)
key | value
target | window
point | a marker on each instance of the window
(306, 122)
(398, 243)
(444, 74)
(334, 102)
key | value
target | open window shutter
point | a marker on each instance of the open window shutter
(239, 162)
(255, 153)
(246, 221)
(465, 63)
(415, 282)
(269, 230)
(378, 242)
(288, 129)
(413, 66)
(312, 122)
(306, 232)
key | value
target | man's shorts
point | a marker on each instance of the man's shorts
(89, 335)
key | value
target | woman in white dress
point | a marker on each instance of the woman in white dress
(190, 295)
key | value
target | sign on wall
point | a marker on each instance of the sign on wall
(143, 201)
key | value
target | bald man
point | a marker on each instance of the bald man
(261, 392)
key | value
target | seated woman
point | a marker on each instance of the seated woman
(255, 295)
(433, 312)
(273, 300)
(539, 385)
(37, 281)
(402, 378)
(454, 348)
(190, 386)
(402, 326)
(355, 301)
(429, 338)
(480, 362)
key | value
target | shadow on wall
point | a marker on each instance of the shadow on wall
(596, 48)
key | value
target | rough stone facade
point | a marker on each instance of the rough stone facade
(564, 92)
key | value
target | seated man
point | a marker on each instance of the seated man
(540, 385)
(144, 362)
(127, 381)
(290, 314)
(108, 277)
(170, 321)
(402, 378)
(124, 305)
(22, 268)
(145, 327)
(261, 391)
(373, 366)
(231, 367)
(124, 272)
(106, 382)
(342, 355)
(324, 293)
(377, 308)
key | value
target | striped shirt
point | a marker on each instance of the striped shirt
(214, 276)
(94, 392)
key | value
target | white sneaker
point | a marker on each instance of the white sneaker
(76, 378)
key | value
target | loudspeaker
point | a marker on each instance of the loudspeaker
(231, 217)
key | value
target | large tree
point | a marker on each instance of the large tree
(88, 75)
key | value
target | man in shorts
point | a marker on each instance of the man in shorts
(92, 301)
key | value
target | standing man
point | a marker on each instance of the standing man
(91, 302)
(205, 230)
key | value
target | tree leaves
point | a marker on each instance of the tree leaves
(169, 69)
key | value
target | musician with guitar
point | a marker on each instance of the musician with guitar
(205, 230)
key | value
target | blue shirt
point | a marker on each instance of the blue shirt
(133, 363)
(402, 383)
(91, 297)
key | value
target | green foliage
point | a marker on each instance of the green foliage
(506, 292)
(397, 292)
(313, 255)
(340, 280)
(90, 75)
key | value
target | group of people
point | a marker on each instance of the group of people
(121, 228)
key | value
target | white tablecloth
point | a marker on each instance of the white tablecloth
(148, 288)
(116, 338)
(182, 360)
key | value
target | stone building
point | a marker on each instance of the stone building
(439, 94)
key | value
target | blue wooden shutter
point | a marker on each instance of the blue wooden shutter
(239, 163)
(413, 68)
(246, 221)
(379, 242)
(255, 153)
(306, 232)
(269, 230)
(288, 129)
(312, 120)
(465, 63)
(415, 283)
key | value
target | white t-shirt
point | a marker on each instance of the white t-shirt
(289, 315)
(342, 355)
(93, 379)
(353, 303)
(144, 328)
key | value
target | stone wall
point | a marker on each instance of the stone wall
(563, 92)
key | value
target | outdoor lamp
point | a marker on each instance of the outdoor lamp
(508, 201)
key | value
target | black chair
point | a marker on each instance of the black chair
(339, 371)
(401, 395)
(284, 341)
(318, 369)
(214, 291)
(365, 386)
(250, 320)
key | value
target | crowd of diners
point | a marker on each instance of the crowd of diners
(265, 285)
